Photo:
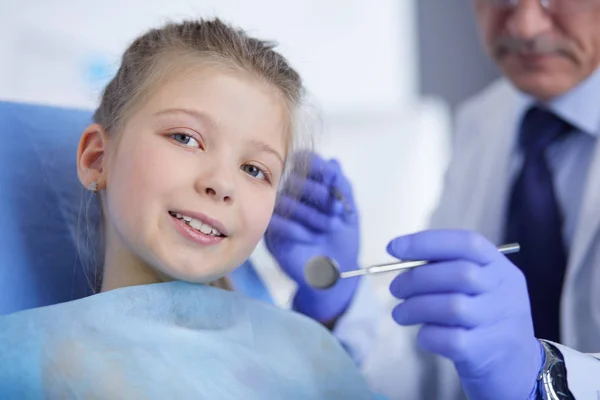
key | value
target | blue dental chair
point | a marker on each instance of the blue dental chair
(43, 210)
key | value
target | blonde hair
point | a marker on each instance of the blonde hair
(149, 60)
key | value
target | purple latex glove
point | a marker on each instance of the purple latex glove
(309, 220)
(474, 308)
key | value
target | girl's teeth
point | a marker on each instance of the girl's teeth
(197, 225)
(206, 229)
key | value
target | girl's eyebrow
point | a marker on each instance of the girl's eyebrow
(198, 115)
(264, 147)
(206, 119)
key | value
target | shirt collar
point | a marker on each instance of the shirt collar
(580, 106)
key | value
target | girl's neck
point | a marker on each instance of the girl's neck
(122, 268)
(122, 275)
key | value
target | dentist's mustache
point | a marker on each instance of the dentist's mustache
(539, 45)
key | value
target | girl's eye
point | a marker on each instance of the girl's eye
(185, 140)
(254, 171)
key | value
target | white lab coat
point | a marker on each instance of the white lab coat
(474, 197)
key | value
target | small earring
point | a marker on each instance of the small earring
(93, 187)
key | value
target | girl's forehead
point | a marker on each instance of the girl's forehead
(220, 101)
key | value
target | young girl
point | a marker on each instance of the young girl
(189, 145)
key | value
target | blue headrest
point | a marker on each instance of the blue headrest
(40, 197)
(44, 212)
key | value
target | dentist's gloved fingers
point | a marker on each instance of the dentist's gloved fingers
(285, 229)
(346, 206)
(444, 245)
(310, 192)
(340, 182)
(327, 172)
(314, 167)
(299, 212)
(445, 310)
(445, 277)
(455, 343)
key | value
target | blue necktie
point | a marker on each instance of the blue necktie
(535, 221)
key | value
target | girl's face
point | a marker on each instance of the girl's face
(192, 180)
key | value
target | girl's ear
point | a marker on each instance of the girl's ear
(91, 157)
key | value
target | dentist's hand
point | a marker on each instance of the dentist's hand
(310, 221)
(474, 308)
